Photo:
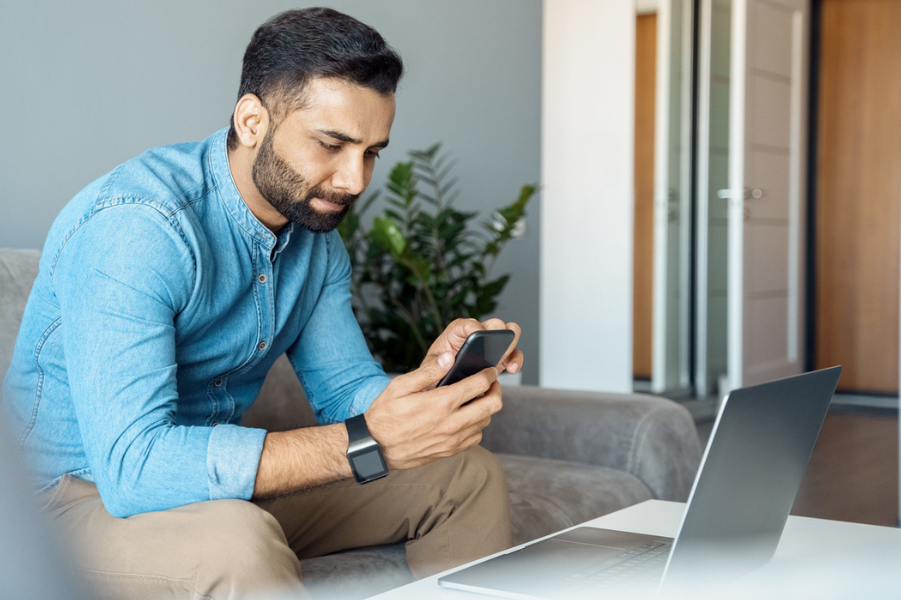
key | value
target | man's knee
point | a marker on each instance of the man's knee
(470, 520)
(481, 470)
(243, 551)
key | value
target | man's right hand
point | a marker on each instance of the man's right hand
(416, 423)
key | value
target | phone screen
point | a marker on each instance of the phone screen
(482, 349)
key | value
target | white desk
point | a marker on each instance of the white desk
(815, 559)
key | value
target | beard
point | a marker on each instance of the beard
(288, 193)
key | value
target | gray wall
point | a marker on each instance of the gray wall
(86, 85)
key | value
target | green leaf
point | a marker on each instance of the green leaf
(386, 233)
(421, 263)
(394, 215)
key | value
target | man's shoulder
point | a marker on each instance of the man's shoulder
(169, 178)
(164, 181)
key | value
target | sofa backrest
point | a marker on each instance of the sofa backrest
(281, 404)
(18, 270)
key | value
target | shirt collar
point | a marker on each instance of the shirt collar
(283, 237)
(234, 203)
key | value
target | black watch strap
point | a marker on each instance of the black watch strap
(363, 452)
(357, 429)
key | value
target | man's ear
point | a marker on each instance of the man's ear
(251, 120)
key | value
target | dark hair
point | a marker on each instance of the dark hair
(291, 48)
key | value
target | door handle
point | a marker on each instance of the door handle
(726, 194)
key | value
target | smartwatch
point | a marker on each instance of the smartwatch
(363, 452)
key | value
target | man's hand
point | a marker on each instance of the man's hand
(413, 421)
(416, 423)
(457, 332)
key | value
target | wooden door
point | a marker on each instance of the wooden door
(859, 193)
(643, 264)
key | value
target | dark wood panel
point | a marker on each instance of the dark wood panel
(642, 282)
(853, 473)
(858, 204)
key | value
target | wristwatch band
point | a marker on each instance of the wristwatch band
(357, 429)
(363, 452)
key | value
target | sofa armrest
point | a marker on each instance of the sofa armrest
(652, 438)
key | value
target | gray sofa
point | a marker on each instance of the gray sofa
(569, 456)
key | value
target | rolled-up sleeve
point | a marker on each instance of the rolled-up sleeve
(121, 280)
(233, 458)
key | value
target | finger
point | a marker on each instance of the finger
(426, 376)
(467, 436)
(483, 407)
(471, 440)
(459, 330)
(513, 363)
(510, 354)
(494, 323)
(517, 332)
(465, 390)
(453, 337)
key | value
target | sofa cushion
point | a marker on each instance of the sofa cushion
(356, 573)
(281, 404)
(18, 269)
(548, 495)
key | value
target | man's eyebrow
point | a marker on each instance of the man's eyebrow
(346, 138)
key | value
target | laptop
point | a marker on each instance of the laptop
(745, 487)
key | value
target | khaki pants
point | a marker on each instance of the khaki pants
(449, 512)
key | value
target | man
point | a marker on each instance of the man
(169, 287)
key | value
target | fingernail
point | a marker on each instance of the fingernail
(512, 368)
(445, 359)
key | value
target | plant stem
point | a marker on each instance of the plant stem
(431, 298)
(405, 311)
(411, 319)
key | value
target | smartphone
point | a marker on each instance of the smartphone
(482, 349)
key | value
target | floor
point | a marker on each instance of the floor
(853, 473)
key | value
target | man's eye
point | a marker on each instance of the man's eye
(372, 154)
(329, 147)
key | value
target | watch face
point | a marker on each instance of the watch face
(368, 465)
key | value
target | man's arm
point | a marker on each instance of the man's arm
(121, 279)
(413, 422)
(331, 357)
(333, 361)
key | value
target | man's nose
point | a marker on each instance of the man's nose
(351, 176)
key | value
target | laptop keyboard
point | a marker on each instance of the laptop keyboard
(640, 567)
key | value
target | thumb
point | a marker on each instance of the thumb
(427, 375)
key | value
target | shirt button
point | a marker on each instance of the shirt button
(217, 383)
(262, 346)
(262, 278)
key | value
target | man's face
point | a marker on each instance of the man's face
(315, 162)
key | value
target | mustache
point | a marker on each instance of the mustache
(333, 196)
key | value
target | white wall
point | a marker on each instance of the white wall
(644, 7)
(587, 195)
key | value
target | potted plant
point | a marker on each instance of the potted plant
(422, 264)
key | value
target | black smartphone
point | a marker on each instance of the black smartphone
(482, 349)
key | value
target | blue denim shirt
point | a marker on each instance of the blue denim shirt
(160, 305)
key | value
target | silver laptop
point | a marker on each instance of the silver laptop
(749, 475)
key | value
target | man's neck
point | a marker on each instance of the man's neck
(240, 163)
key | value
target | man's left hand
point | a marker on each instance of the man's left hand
(456, 333)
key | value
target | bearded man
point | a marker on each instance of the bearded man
(168, 288)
